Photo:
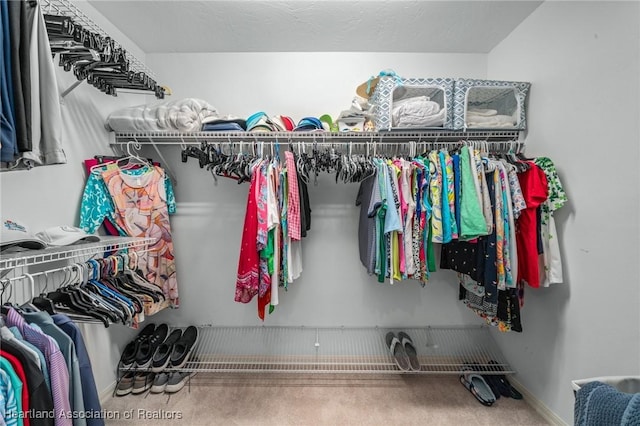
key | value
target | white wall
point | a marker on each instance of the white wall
(334, 288)
(583, 61)
(50, 195)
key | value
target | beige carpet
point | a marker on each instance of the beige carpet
(318, 400)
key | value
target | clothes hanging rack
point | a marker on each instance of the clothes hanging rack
(141, 78)
(141, 245)
(427, 136)
(34, 257)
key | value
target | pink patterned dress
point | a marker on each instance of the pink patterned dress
(141, 210)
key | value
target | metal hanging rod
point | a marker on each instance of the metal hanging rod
(435, 136)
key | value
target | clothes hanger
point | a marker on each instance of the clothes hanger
(6, 283)
(132, 159)
(42, 302)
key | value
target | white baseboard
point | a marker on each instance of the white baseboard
(107, 393)
(538, 405)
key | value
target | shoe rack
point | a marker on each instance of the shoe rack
(284, 349)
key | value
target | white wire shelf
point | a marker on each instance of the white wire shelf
(432, 136)
(53, 254)
(342, 350)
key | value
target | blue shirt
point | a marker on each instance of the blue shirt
(89, 390)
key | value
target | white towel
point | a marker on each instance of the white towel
(183, 115)
(489, 118)
(417, 111)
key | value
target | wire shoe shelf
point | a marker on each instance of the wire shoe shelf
(341, 350)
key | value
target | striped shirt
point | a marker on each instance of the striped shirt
(293, 214)
(58, 371)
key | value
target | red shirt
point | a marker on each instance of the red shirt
(17, 367)
(535, 191)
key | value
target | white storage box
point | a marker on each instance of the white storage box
(413, 103)
(490, 104)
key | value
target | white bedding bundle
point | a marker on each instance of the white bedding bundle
(418, 111)
(489, 118)
(183, 115)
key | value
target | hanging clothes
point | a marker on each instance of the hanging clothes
(136, 202)
(533, 183)
(37, 346)
(552, 261)
(97, 206)
(277, 216)
(247, 282)
(31, 115)
(56, 364)
(482, 209)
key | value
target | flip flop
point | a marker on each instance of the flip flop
(410, 350)
(478, 388)
(397, 351)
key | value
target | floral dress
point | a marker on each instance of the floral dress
(141, 211)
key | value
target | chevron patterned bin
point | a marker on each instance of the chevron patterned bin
(490, 104)
(390, 94)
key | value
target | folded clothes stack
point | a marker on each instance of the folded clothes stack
(489, 118)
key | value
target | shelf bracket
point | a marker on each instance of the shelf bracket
(70, 88)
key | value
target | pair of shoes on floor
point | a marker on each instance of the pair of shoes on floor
(403, 351)
(174, 352)
(478, 387)
(139, 352)
(134, 383)
(498, 382)
(170, 382)
(487, 388)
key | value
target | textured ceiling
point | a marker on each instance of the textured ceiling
(316, 26)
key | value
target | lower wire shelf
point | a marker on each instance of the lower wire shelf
(286, 349)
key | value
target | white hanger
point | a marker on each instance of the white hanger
(132, 158)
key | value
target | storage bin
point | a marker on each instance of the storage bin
(490, 104)
(413, 103)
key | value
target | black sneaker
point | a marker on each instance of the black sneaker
(183, 347)
(162, 356)
(128, 357)
(148, 347)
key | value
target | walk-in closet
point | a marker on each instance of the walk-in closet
(319, 212)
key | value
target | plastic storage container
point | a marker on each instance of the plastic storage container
(490, 104)
(413, 103)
